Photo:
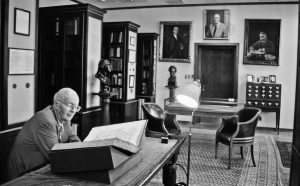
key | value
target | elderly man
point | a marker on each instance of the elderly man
(217, 29)
(40, 133)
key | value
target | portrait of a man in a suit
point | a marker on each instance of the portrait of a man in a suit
(216, 24)
(175, 42)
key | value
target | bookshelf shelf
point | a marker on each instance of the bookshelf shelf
(119, 46)
(146, 66)
(65, 59)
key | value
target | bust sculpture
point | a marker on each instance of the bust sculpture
(172, 78)
(103, 74)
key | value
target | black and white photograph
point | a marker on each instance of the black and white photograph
(150, 92)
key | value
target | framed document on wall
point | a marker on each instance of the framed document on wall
(22, 22)
(21, 61)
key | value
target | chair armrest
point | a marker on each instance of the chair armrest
(170, 121)
(229, 126)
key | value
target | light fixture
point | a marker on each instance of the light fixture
(189, 96)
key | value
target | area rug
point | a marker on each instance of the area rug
(208, 171)
(285, 150)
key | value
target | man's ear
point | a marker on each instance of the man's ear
(55, 104)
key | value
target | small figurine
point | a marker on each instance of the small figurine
(103, 74)
(172, 78)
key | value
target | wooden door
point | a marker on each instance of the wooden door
(216, 67)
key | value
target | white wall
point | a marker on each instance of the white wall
(149, 20)
(18, 92)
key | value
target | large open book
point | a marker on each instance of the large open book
(105, 148)
(127, 136)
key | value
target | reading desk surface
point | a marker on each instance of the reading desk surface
(154, 155)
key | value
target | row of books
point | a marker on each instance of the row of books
(146, 62)
(117, 79)
(118, 92)
(146, 74)
(116, 64)
(116, 37)
(115, 52)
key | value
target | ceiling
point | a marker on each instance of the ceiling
(110, 4)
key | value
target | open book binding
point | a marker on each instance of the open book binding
(105, 148)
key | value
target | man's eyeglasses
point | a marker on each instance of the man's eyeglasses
(70, 106)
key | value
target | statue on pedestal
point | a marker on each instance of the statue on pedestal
(103, 74)
(172, 78)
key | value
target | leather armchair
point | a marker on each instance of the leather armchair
(239, 130)
(160, 123)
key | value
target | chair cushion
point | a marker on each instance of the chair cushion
(224, 137)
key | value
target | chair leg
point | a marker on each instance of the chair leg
(241, 151)
(229, 161)
(216, 149)
(252, 156)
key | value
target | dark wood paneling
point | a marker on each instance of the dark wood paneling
(146, 66)
(1, 64)
(7, 139)
(123, 111)
(63, 57)
(295, 164)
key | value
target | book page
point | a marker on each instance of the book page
(130, 132)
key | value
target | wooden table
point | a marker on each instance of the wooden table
(203, 110)
(154, 155)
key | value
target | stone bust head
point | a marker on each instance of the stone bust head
(103, 74)
(172, 78)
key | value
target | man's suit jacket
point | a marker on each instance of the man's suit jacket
(173, 47)
(34, 141)
(221, 31)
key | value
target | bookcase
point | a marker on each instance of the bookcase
(69, 51)
(146, 66)
(266, 96)
(120, 46)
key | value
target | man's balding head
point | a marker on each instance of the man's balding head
(66, 94)
(65, 103)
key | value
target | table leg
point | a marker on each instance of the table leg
(169, 170)
(277, 120)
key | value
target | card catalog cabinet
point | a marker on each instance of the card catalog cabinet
(266, 96)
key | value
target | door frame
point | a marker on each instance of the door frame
(197, 66)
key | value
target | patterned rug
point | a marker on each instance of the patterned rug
(208, 171)
(285, 150)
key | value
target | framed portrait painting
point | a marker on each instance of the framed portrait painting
(261, 42)
(175, 41)
(216, 24)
